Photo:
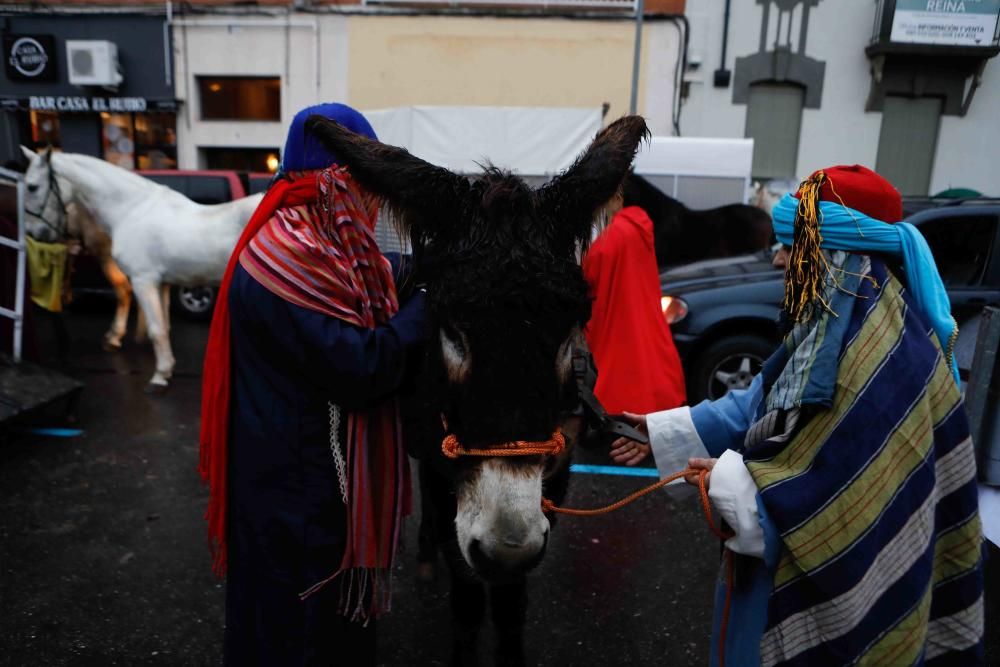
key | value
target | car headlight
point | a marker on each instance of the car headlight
(674, 309)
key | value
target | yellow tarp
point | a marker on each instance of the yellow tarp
(47, 269)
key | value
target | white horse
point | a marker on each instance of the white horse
(158, 236)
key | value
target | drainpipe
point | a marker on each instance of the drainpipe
(168, 69)
(640, 9)
(722, 75)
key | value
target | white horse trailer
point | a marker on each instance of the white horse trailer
(539, 142)
(700, 172)
(534, 142)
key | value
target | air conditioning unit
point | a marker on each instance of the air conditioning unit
(92, 63)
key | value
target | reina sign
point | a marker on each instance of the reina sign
(946, 22)
(87, 104)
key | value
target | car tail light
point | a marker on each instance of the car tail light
(674, 309)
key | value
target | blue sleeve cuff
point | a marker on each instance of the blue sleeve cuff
(723, 424)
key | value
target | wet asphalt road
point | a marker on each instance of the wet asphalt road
(103, 558)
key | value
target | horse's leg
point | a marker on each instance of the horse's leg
(508, 604)
(147, 293)
(165, 300)
(123, 297)
(141, 331)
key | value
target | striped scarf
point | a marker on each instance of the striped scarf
(864, 462)
(311, 242)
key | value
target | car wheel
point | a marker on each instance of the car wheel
(728, 363)
(196, 303)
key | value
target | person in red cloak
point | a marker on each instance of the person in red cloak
(637, 364)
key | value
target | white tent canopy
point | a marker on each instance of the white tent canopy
(538, 142)
(531, 141)
(702, 172)
(696, 156)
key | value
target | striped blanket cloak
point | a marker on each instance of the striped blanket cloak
(864, 463)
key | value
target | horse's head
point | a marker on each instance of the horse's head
(45, 196)
(508, 300)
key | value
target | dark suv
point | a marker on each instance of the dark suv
(724, 313)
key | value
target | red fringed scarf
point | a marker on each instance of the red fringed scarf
(311, 242)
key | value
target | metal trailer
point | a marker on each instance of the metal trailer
(8, 177)
(25, 386)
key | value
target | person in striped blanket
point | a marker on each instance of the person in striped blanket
(846, 470)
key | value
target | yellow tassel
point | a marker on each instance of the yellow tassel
(808, 267)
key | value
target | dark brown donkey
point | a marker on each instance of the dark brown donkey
(507, 300)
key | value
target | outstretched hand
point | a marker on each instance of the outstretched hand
(627, 451)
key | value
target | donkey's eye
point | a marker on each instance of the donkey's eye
(33, 187)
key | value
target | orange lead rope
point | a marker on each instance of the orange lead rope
(452, 449)
(548, 506)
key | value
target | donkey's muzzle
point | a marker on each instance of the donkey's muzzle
(506, 558)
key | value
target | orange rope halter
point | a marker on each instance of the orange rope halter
(451, 448)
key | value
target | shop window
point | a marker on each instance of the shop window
(156, 140)
(117, 140)
(140, 140)
(40, 129)
(240, 98)
(262, 160)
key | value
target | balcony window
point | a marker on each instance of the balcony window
(240, 98)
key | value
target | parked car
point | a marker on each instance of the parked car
(258, 182)
(203, 186)
(724, 313)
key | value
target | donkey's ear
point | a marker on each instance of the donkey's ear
(28, 153)
(424, 197)
(574, 197)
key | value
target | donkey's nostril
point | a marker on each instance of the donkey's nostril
(475, 550)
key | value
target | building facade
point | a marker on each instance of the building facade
(95, 83)
(209, 84)
(383, 60)
(908, 88)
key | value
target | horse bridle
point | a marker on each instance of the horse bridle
(54, 189)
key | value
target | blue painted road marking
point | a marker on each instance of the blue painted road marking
(614, 470)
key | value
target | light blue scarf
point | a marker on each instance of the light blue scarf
(844, 228)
